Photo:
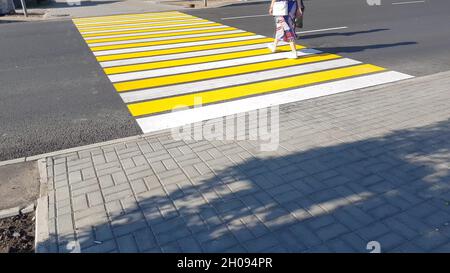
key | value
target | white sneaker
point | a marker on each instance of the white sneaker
(271, 47)
(292, 55)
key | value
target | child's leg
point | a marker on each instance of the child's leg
(293, 47)
(275, 43)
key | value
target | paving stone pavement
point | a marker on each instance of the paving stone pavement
(350, 168)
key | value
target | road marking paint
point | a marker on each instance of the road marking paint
(130, 22)
(170, 37)
(176, 40)
(183, 55)
(128, 19)
(185, 49)
(149, 26)
(136, 25)
(172, 27)
(119, 16)
(158, 61)
(191, 61)
(247, 16)
(217, 95)
(409, 2)
(180, 118)
(320, 30)
(162, 33)
(220, 72)
(235, 37)
(235, 62)
(180, 89)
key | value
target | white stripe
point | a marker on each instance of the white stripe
(121, 27)
(189, 23)
(153, 32)
(132, 21)
(183, 55)
(410, 2)
(248, 16)
(179, 118)
(203, 66)
(146, 48)
(180, 89)
(131, 24)
(320, 30)
(124, 18)
(167, 38)
(152, 14)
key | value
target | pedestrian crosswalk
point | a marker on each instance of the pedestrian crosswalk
(158, 62)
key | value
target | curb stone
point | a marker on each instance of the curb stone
(28, 209)
(41, 238)
(9, 212)
(5, 213)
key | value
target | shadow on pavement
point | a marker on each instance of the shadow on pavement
(351, 49)
(393, 189)
(312, 36)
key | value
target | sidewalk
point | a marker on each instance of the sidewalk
(75, 8)
(66, 9)
(351, 168)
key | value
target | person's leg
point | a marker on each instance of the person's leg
(293, 53)
(293, 46)
(275, 42)
(273, 46)
(291, 35)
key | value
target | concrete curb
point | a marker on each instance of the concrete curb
(71, 150)
(81, 148)
(5, 213)
(42, 235)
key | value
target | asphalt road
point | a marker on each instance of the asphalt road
(54, 95)
(411, 38)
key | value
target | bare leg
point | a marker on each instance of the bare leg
(293, 48)
(275, 43)
(293, 53)
(273, 46)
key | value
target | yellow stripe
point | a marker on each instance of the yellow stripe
(147, 30)
(131, 21)
(195, 20)
(120, 17)
(174, 34)
(180, 50)
(220, 72)
(130, 18)
(193, 60)
(161, 105)
(175, 41)
(113, 17)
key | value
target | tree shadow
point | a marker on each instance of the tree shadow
(346, 34)
(393, 189)
(352, 49)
